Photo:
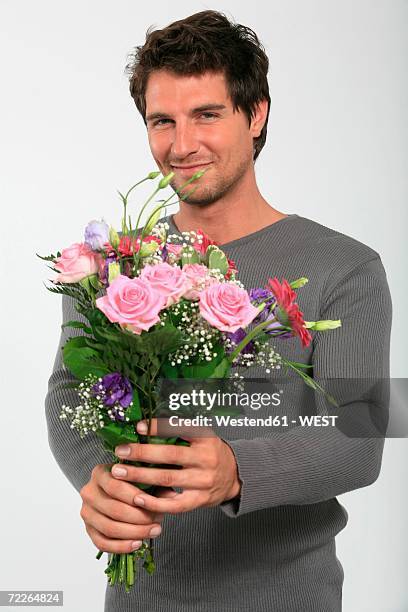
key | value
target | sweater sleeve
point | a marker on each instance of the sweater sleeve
(75, 456)
(310, 465)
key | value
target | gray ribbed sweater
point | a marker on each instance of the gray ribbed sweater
(274, 549)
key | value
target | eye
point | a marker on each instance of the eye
(158, 121)
(209, 115)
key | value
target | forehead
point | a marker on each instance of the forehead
(170, 92)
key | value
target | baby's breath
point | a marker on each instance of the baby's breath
(88, 416)
(201, 340)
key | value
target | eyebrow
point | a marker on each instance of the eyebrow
(198, 109)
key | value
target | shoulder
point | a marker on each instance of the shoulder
(333, 250)
(343, 264)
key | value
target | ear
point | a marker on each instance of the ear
(259, 118)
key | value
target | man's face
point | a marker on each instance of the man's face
(191, 126)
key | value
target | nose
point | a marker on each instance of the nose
(185, 141)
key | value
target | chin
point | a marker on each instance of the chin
(200, 197)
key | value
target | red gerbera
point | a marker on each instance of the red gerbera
(152, 239)
(127, 246)
(292, 315)
(202, 242)
(232, 268)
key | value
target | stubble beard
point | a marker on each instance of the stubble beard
(204, 195)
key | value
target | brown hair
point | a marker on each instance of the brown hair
(206, 41)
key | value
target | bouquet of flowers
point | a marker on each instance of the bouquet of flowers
(169, 306)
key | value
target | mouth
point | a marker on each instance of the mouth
(190, 169)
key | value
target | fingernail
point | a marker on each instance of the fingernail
(119, 471)
(136, 544)
(142, 427)
(155, 531)
(139, 501)
(122, 451)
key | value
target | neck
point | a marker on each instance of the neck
(238, 213)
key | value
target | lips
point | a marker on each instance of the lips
(192, 168)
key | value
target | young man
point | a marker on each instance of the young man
(255, 526)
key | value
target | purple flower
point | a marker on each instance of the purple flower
(276, 326)
(104, 276)
(236, 337)
(269, 311)
(258, 296)
(116, 393)
(164, 253)
(96, 234)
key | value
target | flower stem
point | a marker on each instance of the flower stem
(125, 201)
(252, 334)
(163, 205)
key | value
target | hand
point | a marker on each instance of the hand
(208, 474)
(111, 519)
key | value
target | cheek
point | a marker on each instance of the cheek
(158, 144)
(219, 140)
(227, 143)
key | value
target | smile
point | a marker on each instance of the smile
(191, 169)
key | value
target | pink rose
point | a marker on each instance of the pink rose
(131, 302)
(76, 262)
(198, 278)
(169, 281)
(226, 307)
(174, 250)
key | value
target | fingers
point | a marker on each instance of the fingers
(109, 545)
(106, 532)
(181, 502)
(156, 453)
(162, 427)
(163, 493)
(186, 478)
(113, 487)
(113, 523)
(118, 510)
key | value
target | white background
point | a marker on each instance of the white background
(71, 135)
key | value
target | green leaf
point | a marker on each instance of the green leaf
(95, 282)
(82, 360)
(205, 369)
(98, 322)
(79, 325)
(169, 371)
(134, 413)
(114, 434)
(47, 257)
(181, 442)
(149, 567)
(189, 255)
(300, 365)
(162, 340)
(157, 440)
(218, 260)
(222, 369)
(210, 249)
